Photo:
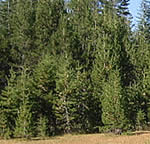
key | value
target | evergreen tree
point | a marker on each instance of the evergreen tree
(113, 113)
(122, 7)
(5, 48)
(63, 99)
(24, 125)
(118, 7)
(4, 126)
(140, 120)
(74, 105)
(13, 97)
(42, 126)
(141, 56)
(76, 66)
(82, 29)
(48, 14)
(144, 19)
(8, 108)
(23, 33)
(88, 107)
(142, 65)
(43, 89)
(112, 58)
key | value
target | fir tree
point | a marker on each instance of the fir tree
(5, 48)
(144, 19)
(140, 120)
(8, 102)
(87, 116)
(23, 33)
(111, 53)
(143, 52)
(24, 125)
(48, 14)
(141, 61)
(43, 89)
(82, 29)
(63, 99)
(13, 96)
(76, 66)
(113, 115)
(42, 126)
(122, 7)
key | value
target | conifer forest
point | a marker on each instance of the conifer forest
(73, 66)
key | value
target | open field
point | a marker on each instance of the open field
(138, 138)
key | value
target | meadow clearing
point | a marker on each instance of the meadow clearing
(135, 138)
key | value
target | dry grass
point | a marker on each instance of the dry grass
(136, 138)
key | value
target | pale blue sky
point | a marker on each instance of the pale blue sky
(134, 8)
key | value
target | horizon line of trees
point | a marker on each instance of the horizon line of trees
(72, 67)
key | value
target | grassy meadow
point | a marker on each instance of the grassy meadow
(134, 138)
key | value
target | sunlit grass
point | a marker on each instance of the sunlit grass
(135, 138)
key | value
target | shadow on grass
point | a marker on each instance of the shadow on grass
(137, 133)
(42, 138)
(32, 138)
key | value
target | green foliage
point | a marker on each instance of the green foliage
(4, 126)
(72, 66)
(87, 115)
(140, 120)
(44, 75)
(13, 97)
(48, 15)
(8, 102)
(24, 120)
(63, 99)
(144, 19)
(140, 59)
(123, 7)
(42, 126)
(5, 48)
(113, 112)
(22, 38)
(148, 113)
(43, 90)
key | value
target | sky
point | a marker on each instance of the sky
(134, 8)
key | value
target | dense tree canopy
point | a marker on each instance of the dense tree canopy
(72, 66)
